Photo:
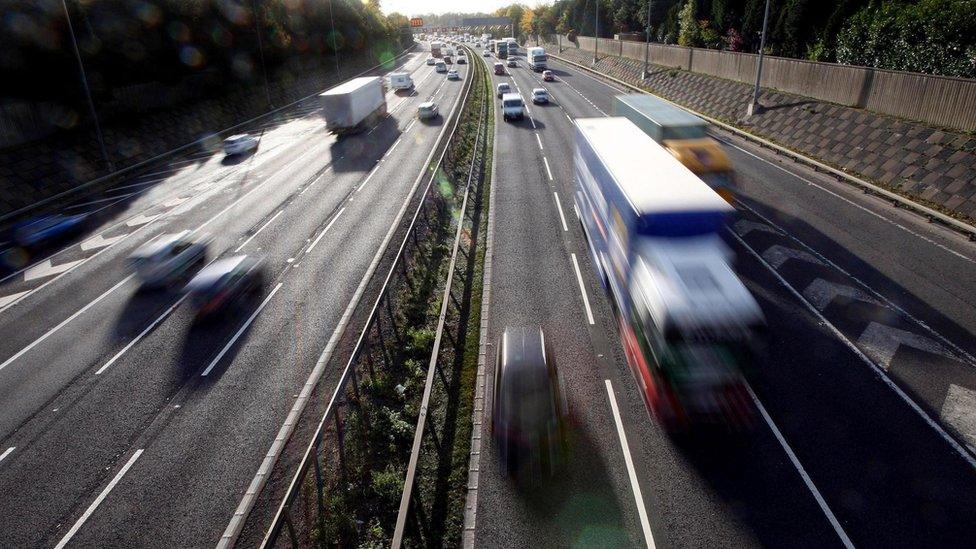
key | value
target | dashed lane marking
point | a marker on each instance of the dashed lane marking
(6, 453)
(559, 208)
(586, 299)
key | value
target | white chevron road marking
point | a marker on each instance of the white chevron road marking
(46, 268)
(822, 292)
(881, 342)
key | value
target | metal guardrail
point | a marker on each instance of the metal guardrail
(310, 463)
(896, 199)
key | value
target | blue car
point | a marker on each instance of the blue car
(41, 231)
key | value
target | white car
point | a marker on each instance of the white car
(540, 95)
(239, 144)
(453, 75)
(160, 262)
(440, 67)
(427, 110)
(486, 53)
(503, 88)
(512, 107)
(431, 60)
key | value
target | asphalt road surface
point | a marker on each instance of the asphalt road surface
(126, 424)
(867, 392)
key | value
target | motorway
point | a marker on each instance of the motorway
(867, 393)
(124, 423)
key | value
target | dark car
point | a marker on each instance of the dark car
(224, 283)
(529, 410)
(48, 229)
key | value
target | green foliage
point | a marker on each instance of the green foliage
(689, 33)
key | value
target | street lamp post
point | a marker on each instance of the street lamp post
(596, 31)
(335, 48)
(647, 43)
(754, 105)
(88, 95)
(264, 67)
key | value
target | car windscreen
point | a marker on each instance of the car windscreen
(513, 102)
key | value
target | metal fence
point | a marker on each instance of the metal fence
(301, 519)
(939, 100)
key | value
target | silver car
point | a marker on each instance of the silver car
(161, 262)
(427, 110)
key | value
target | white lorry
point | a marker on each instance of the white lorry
(352, 106)
(435, 48)
(536, 57)
(401, 81)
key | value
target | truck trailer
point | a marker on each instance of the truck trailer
(354, 105)
(687, 323)
(684, 135)
(536, 58)
(435, 48)
(500, 49)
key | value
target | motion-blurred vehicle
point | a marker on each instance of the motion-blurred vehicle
(684, 135)
(529, 413)
(224, 283)
(502, 89)
(448, 60)
(499, 68)
(485, 53)
(353, 106)
(512, 62)
(401, 81)
(161, 262)
(548, 76)
(453, 75)
(440, 67)
(427, 110)
(435, 48)
(513, 108)
(461, 60)
(688, 325)
(239, 144)
(45, 230)
(431, 61)
(540, 95)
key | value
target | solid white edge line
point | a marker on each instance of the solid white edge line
(141, 335)
(325, 230)
(234, 339)
(548, 171)
(559, 207)
(257, 232)
(410, 125)
(78, 313)
(368, 177)
(586, 299)
(390, 151)
(98, 501)
(539, 139)
(877, 369)
(803, 473)
(629, 461)
(9, 451)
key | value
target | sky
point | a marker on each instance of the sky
(415, 7)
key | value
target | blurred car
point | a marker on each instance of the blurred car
(447, 59)
(427, 110)
(540, 95)
(499, 68)
(503, 88)
(548, 76)
(224, 283)
(453, 75)
(461, 60)
(165, 260)
(239, 144)
(431, 60)
(485, 53)
(529, 412)
(41, 231)
(512, 62)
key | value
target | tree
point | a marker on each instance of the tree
(689, 33)
(526, 26)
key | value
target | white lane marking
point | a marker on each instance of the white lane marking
(389, 152)
(559, 207)
(586, 299)
(631, 473)
(548, 171)
(80, 312)
(864, 285)
(410, 125)
(325, 230)
(368, 177)
(777, 255)
(587, 99)
(855, 204)
(570, 118)
(969, 458)
(45, 269)
(141, 335)
(257, 232)
(9, 451)
(141, 219)
(539, 140)
(8, 299)
(99, 241)
(881, 342)
(838, 529)
(244, 327)
(532, 120)
(822, 293)
(958, 410)
(98, 501)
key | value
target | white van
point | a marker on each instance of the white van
(401, 81)
(512, 107)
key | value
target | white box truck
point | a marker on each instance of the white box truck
(687, 323)
(536, 57)
(435, 48)
(352, 106)
(401, 81)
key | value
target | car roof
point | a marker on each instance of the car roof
(212, 273)
(158, 245)
(427, 104)
(511, 96)
(504, 85)
(537, 90)
(238, 136)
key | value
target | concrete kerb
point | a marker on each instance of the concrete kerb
(896, 199)
(172, 152)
